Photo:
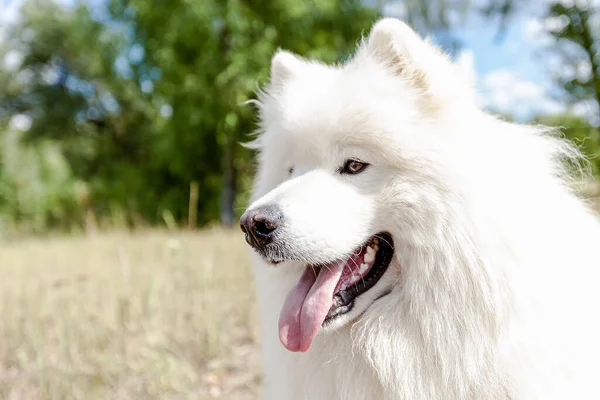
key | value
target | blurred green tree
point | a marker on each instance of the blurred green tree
(67, 86)
(210, 56)
(575, 30)
(37, 188)
(145, 98)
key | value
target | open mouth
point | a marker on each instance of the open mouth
(370, 264)
(326, 292)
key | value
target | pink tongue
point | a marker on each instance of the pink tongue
(307, 305)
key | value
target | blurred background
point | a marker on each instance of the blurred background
(122, 175)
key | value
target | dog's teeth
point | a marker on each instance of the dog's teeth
(376, 247)
(355, 278)
(370, 254)
(363, 267)
(376, 241)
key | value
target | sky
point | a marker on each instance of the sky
(512, 73)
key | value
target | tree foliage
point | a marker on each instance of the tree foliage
(574, 33)
(575, 30)
(143, 98)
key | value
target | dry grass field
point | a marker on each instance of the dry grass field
(128, 316)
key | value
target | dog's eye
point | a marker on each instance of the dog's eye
(353, 167)
(291, 170)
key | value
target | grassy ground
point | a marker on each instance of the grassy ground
(121, 316)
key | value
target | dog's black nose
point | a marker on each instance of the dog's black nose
(260, 225)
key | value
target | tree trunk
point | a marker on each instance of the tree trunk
(229, 190)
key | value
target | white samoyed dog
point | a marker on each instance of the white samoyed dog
(410, 246)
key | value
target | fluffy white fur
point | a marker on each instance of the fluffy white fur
(494, 285)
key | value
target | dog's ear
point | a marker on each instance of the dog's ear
(404, 53)
(284, 66)
(395, 44)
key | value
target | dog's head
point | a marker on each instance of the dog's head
(362, 176)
